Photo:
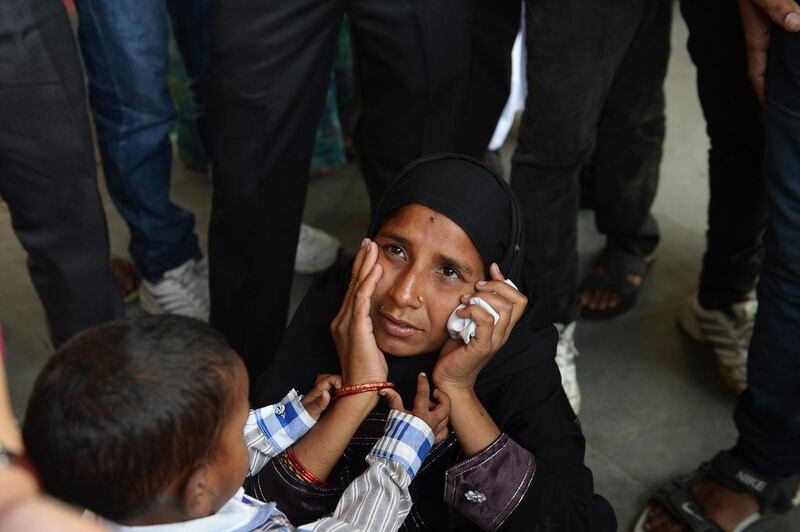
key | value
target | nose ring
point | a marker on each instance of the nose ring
(420, 299)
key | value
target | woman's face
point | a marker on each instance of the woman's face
(428, 263)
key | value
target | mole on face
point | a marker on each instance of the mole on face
(433, 219)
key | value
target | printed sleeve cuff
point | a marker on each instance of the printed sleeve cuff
(406, 440)
(283, 423)
(487, 487)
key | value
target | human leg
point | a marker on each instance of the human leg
(567, 91)
(47, 172)
(625, 166)
(722, 311)
(271, 64)
(495, 25)
(574, 48)
(191, 25)
(124, 44)
(414, 61)
(768, 412)
(737, 210)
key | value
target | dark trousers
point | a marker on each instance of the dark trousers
(737, 209)
(495, 24)
(595, 94)
(47, 168)
(768, 412)
(271, 62)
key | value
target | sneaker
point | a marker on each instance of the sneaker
(727, 333)
(566, 353)
(316, 250)
(182, 290)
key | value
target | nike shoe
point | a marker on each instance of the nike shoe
(566, 353)
(316, 250)
(728, 333)
(182, 290)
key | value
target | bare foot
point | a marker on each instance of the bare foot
(125, 274)
(605, 299)
(723, 506)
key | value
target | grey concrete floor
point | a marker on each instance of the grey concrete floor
(653, 405)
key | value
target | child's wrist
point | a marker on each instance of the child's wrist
(407, 440)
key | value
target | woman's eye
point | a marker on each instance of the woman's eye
(450, 272)
(393, 249)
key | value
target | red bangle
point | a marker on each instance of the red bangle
(361, 388)
(299, 470)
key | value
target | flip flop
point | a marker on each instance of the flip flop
(617, 266)
(677, 499)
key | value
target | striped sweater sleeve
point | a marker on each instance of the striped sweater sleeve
(378, 500)
(272, 429)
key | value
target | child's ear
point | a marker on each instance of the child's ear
(198, 495)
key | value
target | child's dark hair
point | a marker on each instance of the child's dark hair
(125, 408)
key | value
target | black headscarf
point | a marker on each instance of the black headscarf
(471, 195)
(483, 205)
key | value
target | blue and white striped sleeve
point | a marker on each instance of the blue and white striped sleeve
(378, 500)
(272, 429)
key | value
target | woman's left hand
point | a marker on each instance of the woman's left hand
(459, 363)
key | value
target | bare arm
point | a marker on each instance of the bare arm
(323, 446)
(471, 422)
(459, 364)
(361, 362)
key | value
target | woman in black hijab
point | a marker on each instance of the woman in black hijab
(448, 229)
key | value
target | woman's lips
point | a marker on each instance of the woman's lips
(394, 328)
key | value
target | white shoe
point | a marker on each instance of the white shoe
(182, 290)
(316, 250)
(728, 335)
(566, 353)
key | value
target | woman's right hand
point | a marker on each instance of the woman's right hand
(360, 359)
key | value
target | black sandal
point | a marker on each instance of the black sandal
(677, 499)
(618, 265)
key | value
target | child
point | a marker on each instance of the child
(146, 422)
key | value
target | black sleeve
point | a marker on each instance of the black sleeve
(560, 494)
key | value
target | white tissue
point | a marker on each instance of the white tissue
(464, 328)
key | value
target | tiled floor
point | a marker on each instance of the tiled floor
(653, 406)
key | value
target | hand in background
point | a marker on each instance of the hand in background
(756, 17)
(360, 359)
(319, 397)
(435, 413)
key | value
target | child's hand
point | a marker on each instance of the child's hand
(318, 399)
(435, 413)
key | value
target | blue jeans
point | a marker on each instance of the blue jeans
(124, 45)
(768, 413)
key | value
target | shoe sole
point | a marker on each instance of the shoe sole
(741, 527)
(689, 324)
